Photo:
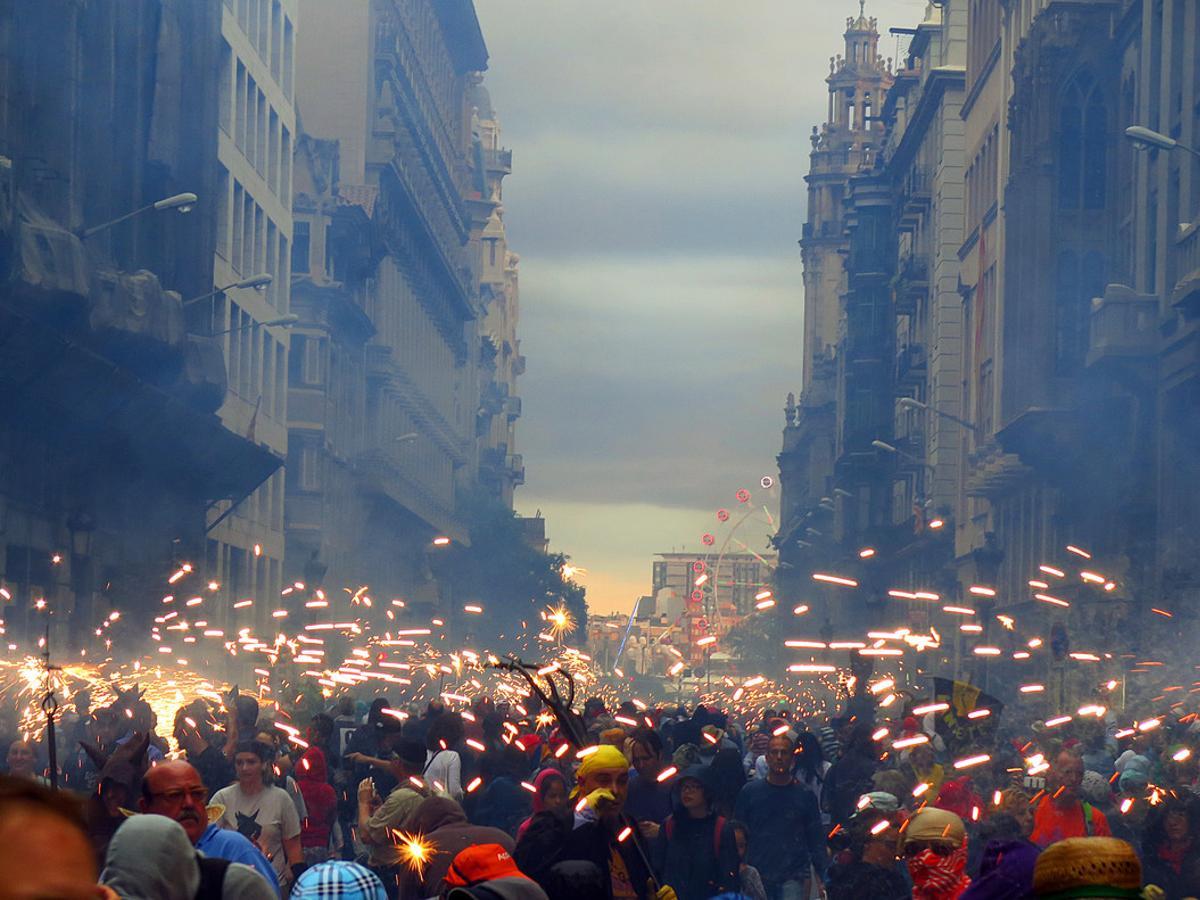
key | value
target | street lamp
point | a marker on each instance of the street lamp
(283, 321)
(258, 282)
(182, 202)
(913, 403)
(1146, 139)
(888, 448)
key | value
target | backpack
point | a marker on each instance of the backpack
(212, 877)
(718, 827)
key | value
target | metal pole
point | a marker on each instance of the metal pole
(50, 708)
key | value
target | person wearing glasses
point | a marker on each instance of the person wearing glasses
(934, 845)
(174, 789)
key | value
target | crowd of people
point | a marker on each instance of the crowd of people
(494, 800)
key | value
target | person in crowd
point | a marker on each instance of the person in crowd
(695, 851)
(443, 825)
(811, 764)
(370, 746)
(379, 820)
(118, 784)
(174, 789)
(1169, 857)
(263, 813)
(317, 828)
(549, 796)
(197, 738)
(278, 768)
(500, 801)
(1061, 813)
(787, 839)
(151, 858)
(1008, 856)
(922, 767)
(1088, 867)
(44, 851)
(648, 800)
(443, 764)
(602, 782)
(934, 844)
(22, 761)
(338, 880)
(726, 780)
(867, 866)
(850, 777)
(487, 872)
(749, 880)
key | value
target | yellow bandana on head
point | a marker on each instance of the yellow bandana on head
(606, 758)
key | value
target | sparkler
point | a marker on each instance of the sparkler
(415, 850)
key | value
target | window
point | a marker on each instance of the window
(329, 251)
(238, 214)
(1082, 146)
(310, 473)
(285, 168)
(281, 355)
(313, 369)
(273, 152)
(223, 211)
(276, 39)
(288, 49)
(225, 90)
(239, 104)
(273, 289)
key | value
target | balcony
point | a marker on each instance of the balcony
(1122, 330)
(512, 408)
(498, 161)
(915, 197)
(515, 464)
(912, 282)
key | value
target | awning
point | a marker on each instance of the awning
(64, 392)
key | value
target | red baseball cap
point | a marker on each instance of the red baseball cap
(483, 862)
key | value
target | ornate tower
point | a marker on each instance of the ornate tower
(841, 147)
(857, 82)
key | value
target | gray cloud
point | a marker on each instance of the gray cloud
(656, 200)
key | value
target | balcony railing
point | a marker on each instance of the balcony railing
(498, 160)
(1122, 326)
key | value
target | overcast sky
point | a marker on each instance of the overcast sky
(657, 195)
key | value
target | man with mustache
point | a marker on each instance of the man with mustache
(174, 789)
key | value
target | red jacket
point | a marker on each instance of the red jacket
(312, 776)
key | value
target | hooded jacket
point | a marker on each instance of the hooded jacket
(312, 776)
(541, 784)
(689, 854)
(151, 858)
(443, 825)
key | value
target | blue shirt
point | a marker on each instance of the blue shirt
(225, 844)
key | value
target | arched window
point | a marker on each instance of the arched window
(1082, 145)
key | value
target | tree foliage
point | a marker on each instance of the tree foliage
(514, 581)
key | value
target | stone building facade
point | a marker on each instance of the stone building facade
(857, 81)
(112, 457)
(388, 358)
(255, 80)
(501, 467)
(1035, 289)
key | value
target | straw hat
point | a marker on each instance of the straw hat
(934, 825)
(1088, 867)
